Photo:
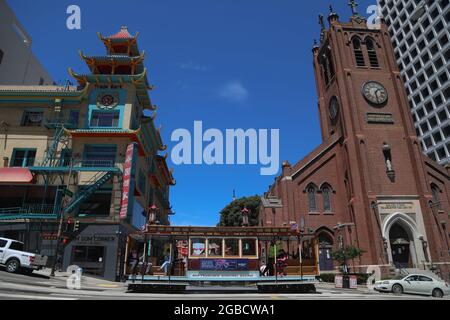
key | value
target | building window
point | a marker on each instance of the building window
(326, 195)
(99, 156)
(357, 49)
(311, 191)
(105, 119)
(1, 56)
(74, 116)
(436, 198)
(32, 118)
(23, 157)
(66, 156)
(372, 53)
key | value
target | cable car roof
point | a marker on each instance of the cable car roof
(262, 233)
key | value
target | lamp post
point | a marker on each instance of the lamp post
(245, 213)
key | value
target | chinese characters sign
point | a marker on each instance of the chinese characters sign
(128, 183)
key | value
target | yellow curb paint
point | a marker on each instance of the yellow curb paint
(108, 285)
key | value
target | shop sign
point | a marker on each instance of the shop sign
(128, 181)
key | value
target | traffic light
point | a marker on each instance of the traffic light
(76, 226)
(69, 224)
(65, 241)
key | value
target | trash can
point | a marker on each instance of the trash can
(346, 281)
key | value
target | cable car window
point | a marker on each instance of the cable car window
(249, 247)
(198, 247)
(232, 247)
(215, 248)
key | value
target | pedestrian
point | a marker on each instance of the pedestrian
(133, 260)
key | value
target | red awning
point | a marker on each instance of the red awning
(15, 175)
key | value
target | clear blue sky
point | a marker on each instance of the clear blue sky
(230, 63)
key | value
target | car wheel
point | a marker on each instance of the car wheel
(437, 293)
(397, 289)
(12, 266)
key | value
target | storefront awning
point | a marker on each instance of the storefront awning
(15, 175)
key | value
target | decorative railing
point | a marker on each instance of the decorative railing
(28, 209)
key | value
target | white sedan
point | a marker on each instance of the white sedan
(416, 284)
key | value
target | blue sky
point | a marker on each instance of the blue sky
(231, 64)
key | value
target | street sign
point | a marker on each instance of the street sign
(68, 193)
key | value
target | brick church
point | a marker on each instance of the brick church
(368, 184)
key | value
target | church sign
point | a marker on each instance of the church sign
(385, 118)
(396, 206)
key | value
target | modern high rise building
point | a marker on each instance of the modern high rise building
(18, 65)
(420, 32)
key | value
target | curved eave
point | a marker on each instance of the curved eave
(133, 135)
(167, 174)
(121, 58)
(36, 94)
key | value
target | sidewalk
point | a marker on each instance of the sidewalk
(87, 282)
(359, 289)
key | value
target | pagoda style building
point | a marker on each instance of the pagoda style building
(368, 185)
(89, 152)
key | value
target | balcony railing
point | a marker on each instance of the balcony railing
(65, 162)
(28, 209)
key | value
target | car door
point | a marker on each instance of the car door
(410, 284)
(3, 244)
(425, 285)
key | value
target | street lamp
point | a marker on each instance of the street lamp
(245, 213)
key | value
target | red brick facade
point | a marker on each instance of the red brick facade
(385, 196)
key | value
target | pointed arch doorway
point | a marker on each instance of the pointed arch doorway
(325, 250)
(401, 242)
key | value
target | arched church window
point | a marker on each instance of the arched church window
(312, 204)
(435, 194)
(326, 195)
(330, 63)
(372, 53)
(357, 49)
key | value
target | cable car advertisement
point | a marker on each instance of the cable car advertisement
(223, 265)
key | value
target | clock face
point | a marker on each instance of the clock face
(107, 100)
(375, 93)
(333, 108)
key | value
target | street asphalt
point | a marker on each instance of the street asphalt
(40, 286)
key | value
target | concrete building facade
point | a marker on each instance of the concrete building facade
(18, 65)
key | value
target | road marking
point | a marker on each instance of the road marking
(108, 285)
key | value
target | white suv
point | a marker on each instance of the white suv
(15, 259)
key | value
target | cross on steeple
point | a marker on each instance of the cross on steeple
(354, 6)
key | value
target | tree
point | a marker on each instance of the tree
(231, 215)
(343, 254)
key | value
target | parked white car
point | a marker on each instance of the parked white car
(15, 259)
(415, 284)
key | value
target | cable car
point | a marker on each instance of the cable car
(267, 259)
